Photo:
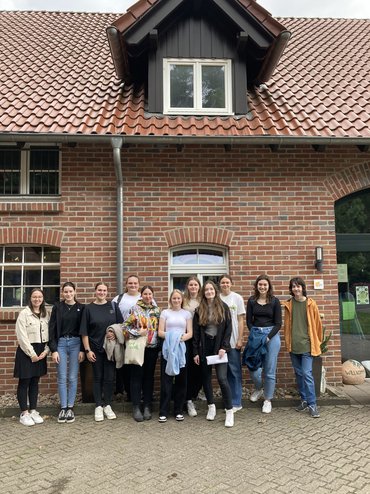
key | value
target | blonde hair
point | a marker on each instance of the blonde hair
(172, 294)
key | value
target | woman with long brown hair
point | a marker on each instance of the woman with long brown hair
(212, 328)
(32, 328)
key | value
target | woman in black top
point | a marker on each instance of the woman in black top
(66, 347)
(96, 317)
(264, 322)
(211, 336)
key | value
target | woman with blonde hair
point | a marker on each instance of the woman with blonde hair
(212, 332)
(175, 327)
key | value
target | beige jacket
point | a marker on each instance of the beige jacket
(30, 329)
(115, 349)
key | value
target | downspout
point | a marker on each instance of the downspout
(117, 145)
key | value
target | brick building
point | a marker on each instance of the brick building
(110, 164)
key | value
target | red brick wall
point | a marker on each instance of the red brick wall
(269, 208)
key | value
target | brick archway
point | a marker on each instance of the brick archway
(348, 181)
(198, 235)
(33, 235)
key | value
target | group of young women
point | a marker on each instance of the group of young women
(202, 328)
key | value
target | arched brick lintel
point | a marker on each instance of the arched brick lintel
(33, 235)
(348, 181)
(198, 235)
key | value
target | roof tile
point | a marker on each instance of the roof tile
(62, 81)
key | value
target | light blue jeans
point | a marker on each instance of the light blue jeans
(234, 376)
(68, 349)
(268, 366)
(302, 365)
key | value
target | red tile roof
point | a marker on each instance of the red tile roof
(57, 76)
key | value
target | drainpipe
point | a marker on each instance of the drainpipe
(117, 145)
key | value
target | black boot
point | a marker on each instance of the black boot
(136, 413)
(147, 413)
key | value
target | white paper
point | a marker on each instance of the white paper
(215, 359)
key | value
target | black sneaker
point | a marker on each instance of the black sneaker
(302, 407)
(313, 410)
(70, 416)
(62, 416)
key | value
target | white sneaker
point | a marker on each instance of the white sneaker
(99, 415)
(191, 409)
(229, 420)
(256, 395)
(36, 417)
(267, 407)
(236, 409)
(108, 412)
(26, 419)
(211, 412)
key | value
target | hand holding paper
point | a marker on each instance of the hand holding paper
(216, 359)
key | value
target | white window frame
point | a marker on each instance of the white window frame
(202, 271)
(25, 170)
(197, 67)
(21, 266)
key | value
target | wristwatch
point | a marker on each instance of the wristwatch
(87, 350)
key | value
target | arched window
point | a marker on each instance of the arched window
(25, 268)
(206, 262)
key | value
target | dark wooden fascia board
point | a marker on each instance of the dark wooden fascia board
(260, 36)
(136, 34)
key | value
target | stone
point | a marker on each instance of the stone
(353, 372)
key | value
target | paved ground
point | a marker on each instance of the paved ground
(285, 452)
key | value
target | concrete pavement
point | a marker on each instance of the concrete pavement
(285, 452)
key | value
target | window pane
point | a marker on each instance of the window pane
(352, 215)
(32, 276)
(51, 294)
(213, 86)
(12, 276)
(51, 254)
(44, 167)
(210, 257)
(181, 86)
(13, 254)
(12, 296)
(10, 165)
(185, 257)
(51, 276)
(32, 254)
(179, 282)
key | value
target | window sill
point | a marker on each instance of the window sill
(27, 204)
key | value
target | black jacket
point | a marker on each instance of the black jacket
(55, 324)
(222, 339)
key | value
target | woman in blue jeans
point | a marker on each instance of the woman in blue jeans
(66, 347)
(264, 318)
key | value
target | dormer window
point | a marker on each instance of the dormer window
(197, 86)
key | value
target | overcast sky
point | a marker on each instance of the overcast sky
(283, 8)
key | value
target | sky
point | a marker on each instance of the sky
(359, 9)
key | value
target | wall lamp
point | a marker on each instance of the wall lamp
(319, 257)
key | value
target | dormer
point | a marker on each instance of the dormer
(196, 57)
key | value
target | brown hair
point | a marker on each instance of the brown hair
(128, 277)
(217, 309)
(297, 281)
(270, 291)
(42, 306)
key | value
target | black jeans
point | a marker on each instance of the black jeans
(194, 374)
(28, 388)
(221, 373)
(177, 384)
(142, 378)
(104, 375)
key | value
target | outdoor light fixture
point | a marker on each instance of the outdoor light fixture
(319, 256)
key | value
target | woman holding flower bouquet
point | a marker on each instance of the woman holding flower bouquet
(143, 321)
